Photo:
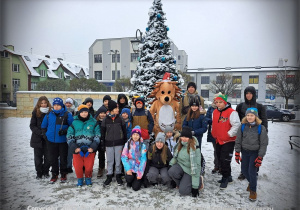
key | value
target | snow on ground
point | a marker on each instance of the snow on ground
(277, 180)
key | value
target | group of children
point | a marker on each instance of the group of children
(60, 134)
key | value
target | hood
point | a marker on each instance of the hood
(139, 99)
(252, 90)
(122, 96)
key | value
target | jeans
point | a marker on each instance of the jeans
(248, 167)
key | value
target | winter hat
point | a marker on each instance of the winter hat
(88, 100)
(58, 101)
(83, 108)
(112, 105)
(136, 129)
(126, 110)
(252, 110)
(194, 101)
(102, 109)
(217, 94)
(168, 129)
(192, 84)
(139, 99)
(70, 100)
(161, 137)
(222, 98)
(106, 97)
(186, 132)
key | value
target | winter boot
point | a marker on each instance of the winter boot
(248, 188)
(39, 175)
(69, 170)
(46, 175)
(88, 182)
(63, 178)
(241, 177)
(53, 179)
(224, 183)
(129, 184)
(79, 182)
(119, 179)
(252, 196)
(229, 180)
(100, 172)
(108, 180)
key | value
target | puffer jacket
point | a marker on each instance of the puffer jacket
(37, 139)
(208, 119)
(154, 158)
(83, 134)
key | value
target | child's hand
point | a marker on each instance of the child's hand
(77, 150)
(90, 150)
(129, 173)
(138, 178)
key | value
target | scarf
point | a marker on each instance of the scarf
(44, 110)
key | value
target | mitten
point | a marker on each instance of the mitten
(258, 161)
(195, 192)
(238, 158)
(62, 132)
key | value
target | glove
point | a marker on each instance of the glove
(195, 192)
(238, 158)
(62, 132)
(258, 161)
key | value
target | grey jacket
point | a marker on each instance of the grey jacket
(250, 139)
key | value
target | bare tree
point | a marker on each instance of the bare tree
(122, 85)
(223, 84)
(285, 84)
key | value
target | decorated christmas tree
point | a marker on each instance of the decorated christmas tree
(156, 56)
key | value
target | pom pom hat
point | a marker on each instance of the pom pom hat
(222, 98)
(136, 129)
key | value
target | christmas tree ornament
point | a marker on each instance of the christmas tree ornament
(175, 78)
(161, 45)
(163, 59)
(174, 61)
(151, 12)
(157, 66)
(147, 29)
(158, 16)
(168, 28)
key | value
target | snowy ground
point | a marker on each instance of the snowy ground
(277, 182)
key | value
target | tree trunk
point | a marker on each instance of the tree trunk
(286, 103)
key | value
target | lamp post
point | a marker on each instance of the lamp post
(285, 61)
(115, 52)
(138, 39)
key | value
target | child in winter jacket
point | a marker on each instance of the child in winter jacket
(83, 139)
(122, 102)
(55, 126)
(171, 138)
(134, 159)
(143, 118)
(113, 135)
(37, 142)
(89, 102)
(106, 99)
(252, 141)
(159, 157)
(225, 124)
(125, 115)
(101, 148)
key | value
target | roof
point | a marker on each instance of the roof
(242, 69)
(75, 68)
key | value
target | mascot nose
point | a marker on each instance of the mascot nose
(167, 98)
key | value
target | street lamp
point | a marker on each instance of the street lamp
(285, 61)
(115, 52)
(138, 39)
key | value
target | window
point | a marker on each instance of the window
(270, 94)
(290, 78)
(4, 54)
(98, 58)
(134, 57)
(113, 58)
(27, 58)
(33, 85)
(60, 75)
(237, 79)
(132, 72)
(113, 74)
(16, 82)
(220, 79)
(205, 93)
(253, 79)
(236, 94)
(179, 57)
(205, 80)
(270, 79)
(43, 73)
(15, 67)
(98, 75)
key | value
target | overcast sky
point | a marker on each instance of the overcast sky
(214, 33)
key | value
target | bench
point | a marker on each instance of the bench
(294, 140)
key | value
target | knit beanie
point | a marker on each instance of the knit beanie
(136, 129)
(102, 109)
(88, 100)
(58, 101)
(168, 129)
(252, 110)
(126, 110)
(161, 137)
(217, 94)
(222, 98)
(106, 97)
(186, 132)
(194, 101)
(83, 108)
(112, 105)
(70, 100)
(192, 84)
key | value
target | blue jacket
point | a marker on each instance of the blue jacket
(53, 121)
(208, 119)
(199, 126)
(128, 128)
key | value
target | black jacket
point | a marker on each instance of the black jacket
(242, 107)
(122, 106)
(113, 132)
(35, 126)
(101, 109)
(154, 159)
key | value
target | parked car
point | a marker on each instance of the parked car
(281, 114)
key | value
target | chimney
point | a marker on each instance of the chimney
(60, 59)
(11, 47)
(47, 56)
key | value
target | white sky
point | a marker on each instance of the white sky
(214, 33)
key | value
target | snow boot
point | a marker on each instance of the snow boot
(100, 172)
(69, 170)
(119, 179)
(224, 183)
(63, 178)
(241, 177)
(53, 179)
(229, 180)
(39, 175)
(108, 180)
(88, 182)
(129, 184)
(79, 182)
(252, 196)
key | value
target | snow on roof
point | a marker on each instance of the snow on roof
(241, 69)
(75, 68)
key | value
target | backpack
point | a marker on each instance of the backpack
(258, 129)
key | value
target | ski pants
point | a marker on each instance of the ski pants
(86, 162)
(225, 153)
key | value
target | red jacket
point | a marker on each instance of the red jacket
(221, 125)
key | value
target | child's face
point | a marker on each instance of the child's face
(169, 134)
(139, 105)
(56, 107)
(159, 144)
(89, 104)
(220, 104)
(68, 105)
(250, 117)
(102, 115)
(84, 114)
(44, 104)
(194, 108)
(122, 100)
(184, 139)
(105, 103)
(125, 116)
(115, 111)
(135, 137)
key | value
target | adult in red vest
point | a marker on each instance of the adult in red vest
(225, 124)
